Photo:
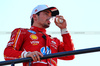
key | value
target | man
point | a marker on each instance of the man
(34, 42)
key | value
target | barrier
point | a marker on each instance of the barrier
(59, 54)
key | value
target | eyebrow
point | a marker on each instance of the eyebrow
(47, 11)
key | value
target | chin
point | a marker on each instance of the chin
(46, 26)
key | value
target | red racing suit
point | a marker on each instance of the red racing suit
(36, 39)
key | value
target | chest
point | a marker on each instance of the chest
(36, 42)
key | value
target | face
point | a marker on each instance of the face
(43, 19)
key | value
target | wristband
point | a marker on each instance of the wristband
(23, 54)
(64, 31)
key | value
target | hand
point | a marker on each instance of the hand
(35, 55)
(60, 25)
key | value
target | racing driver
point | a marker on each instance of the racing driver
(35, 42)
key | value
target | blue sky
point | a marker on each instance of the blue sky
(81, 16)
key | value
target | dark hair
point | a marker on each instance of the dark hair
(32, 20)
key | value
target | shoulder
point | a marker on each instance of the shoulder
(19, 30)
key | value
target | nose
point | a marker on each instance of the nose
(49, 18)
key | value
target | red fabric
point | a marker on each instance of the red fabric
(32, 40)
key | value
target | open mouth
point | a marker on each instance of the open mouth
(48, 23)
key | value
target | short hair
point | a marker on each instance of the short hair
(32, 20)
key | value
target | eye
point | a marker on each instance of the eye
(46, 14)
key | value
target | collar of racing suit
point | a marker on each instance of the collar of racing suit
(37, 29)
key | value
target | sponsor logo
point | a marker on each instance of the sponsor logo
(53, 44)
(10, 43)
(11, 39)
(32, 31)
(34, 42)
(34, 37)
(36, 10)
(45, 51)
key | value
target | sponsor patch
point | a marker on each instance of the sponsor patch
(34, 42)
(53, 44)
(45, 51)
(32, 31)
(10, 43)
(34, 37)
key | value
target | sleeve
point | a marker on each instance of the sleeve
(66, 45)
(12, 51)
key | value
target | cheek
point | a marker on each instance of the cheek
(42, 19)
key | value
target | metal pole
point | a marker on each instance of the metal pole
(29, 62)
(59, 54)
(12, 64)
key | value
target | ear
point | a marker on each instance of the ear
(35, 17)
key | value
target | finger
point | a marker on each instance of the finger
(55, 20)
(59, 16)
(40, 54)
(59, 19)
(37, 57)
(32, 57)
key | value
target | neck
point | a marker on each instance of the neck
(37, 29)
(37, 25)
